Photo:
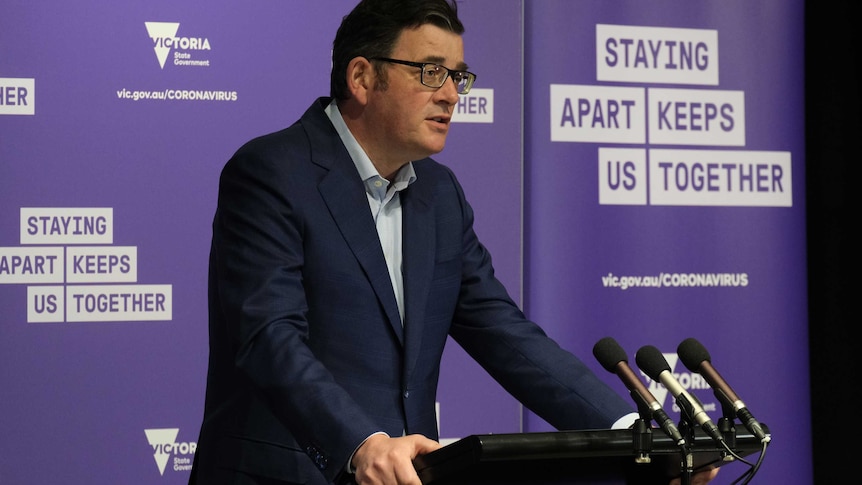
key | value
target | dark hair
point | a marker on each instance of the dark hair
(373, 26)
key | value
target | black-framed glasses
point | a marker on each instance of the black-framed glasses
(435, 75)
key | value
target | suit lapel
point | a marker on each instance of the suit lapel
(419, 254)
(344, 194)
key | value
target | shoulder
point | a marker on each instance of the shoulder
(310, 138)
(313, 127)
(437, 177)
(430, 170)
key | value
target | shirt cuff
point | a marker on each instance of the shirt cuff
(626, 421)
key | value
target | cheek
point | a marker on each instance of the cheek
(405, 121)
(405, 116)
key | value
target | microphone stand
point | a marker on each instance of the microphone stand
(641, 430)
(686, 428)
(727, 428)
(686, 458)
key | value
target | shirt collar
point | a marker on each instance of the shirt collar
(405, 176)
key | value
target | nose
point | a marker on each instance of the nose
(448, 92)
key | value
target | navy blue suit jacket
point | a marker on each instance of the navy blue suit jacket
(308, 355)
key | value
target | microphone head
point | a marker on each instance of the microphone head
(651, 361)
(692, 354)
(609, 353)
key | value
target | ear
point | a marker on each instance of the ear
(360, 79)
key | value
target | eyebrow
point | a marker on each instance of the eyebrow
(439, 60)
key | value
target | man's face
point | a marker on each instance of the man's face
(411, 120)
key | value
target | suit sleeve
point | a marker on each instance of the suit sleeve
(547, 379)
(256, 275)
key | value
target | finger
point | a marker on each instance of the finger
(406, 475)
(704, 477)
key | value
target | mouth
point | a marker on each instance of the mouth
(443, 118)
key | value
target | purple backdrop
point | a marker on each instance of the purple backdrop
(632, 179)
(125, 143)
(108, 182)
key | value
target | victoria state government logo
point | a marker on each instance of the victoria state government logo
(165, 447)
(165, 40)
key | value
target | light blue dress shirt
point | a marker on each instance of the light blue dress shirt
(383, 199)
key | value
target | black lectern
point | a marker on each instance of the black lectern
(574, 457)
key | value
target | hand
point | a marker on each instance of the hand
(382, 460)
(699, 478)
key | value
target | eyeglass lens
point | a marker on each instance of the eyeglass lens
(434, 76)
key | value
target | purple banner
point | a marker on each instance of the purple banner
(135, 110)
(665, 197)
(113, 130)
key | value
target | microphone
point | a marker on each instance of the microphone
(696, 359)
(613, 358)
(652, 362)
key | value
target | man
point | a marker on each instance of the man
(342, 258)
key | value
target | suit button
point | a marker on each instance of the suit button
(406, 394)
(317, 457)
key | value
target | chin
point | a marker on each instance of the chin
(435, 148)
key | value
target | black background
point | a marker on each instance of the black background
(832, 142)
